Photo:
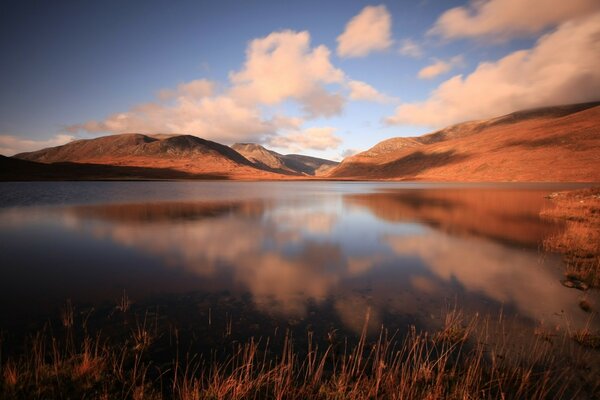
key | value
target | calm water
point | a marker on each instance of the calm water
(281, 254)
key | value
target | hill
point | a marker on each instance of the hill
(178, 155)
(288, 164)
(13, 169)
(547, 144)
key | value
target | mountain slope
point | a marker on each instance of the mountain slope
(13, 169)
(547, 144)
(182, 153)
(289, 164)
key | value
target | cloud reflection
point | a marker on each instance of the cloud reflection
(509, 276)
(288, 256)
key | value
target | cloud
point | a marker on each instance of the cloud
(10, 145)
(505, 19)
(350, 152)
(216, 118)
(279, 67)
(195, 89)
(283, 66)
(410, 48)
(321, 103)
(311, 138)
(363, 91)
(440, 67)
(561, 68)
(368, 31)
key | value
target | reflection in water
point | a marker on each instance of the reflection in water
(508, 215)
(508, 276)
(262, 255)
(404, 253)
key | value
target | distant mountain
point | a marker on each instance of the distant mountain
(184, 155)
(289, 164)
(559, 143)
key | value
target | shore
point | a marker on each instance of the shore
(579, 243)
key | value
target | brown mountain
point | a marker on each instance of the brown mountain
(13, 169)
(178, 156)
(547, 144)
(289, 164)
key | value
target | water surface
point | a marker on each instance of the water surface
(304, 255)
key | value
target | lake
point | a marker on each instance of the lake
(254, 257)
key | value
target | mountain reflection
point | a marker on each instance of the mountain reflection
(507, 215)
(287, 256)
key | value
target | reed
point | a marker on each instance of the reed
(579, 242)
(464, 359)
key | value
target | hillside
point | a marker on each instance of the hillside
(181, 155)
(13, 169)
(289, 164)
(546, 144)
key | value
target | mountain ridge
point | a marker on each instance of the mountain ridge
(288, 164)
(184, 153)
(560, 143)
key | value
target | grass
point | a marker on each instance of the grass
(580, 240)
(464, 359)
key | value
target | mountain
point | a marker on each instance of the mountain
(289, 164)
(559, 144)
(174, 155)
(13, 169)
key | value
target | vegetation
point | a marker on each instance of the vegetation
(580, 240)
(462, 360)
(135, 354)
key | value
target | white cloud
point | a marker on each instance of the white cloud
(283, 66)
(10, 145)
(509, 18)
(279, 67)
(312, 138)
(410, 48)
(440, 67)
(321, 103)
(216, 118)
(561, 68)
(368, 31)
(363, 91)
(349, 152)
(195, 89)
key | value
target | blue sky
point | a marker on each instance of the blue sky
(74, 69)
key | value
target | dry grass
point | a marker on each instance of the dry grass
(580, 241)
(463, 360)
(587, 338)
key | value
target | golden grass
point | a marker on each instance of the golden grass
(580, 240)
(465, 359)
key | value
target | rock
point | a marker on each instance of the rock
(575, 283)
(568, 283)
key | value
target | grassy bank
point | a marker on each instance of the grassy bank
(464, 359)
(580, 241)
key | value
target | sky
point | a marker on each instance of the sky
(322, 78)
